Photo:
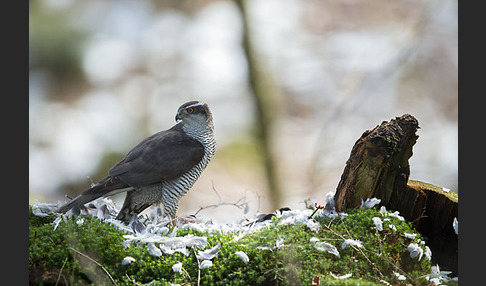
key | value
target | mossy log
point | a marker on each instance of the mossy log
(378, 167)
(88, 251)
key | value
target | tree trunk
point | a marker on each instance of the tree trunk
(378, 167)
(267, 105)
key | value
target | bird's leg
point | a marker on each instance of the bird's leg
(172, 218)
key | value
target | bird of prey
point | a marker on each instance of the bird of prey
(160, 169)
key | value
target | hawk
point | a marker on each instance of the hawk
(161, 168)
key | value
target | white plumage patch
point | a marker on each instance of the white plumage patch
(200, 103)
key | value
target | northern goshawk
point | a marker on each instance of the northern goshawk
(160, 169)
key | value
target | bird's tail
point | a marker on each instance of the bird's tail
(78, 202)
(106, 187)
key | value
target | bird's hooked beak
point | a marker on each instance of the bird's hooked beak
(178, 117)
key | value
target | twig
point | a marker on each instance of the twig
(258, 195)
(335, 233)
(332, 220)
(198, 267)
(187, 274)
(214, 189)
(317, 207)
(345, 227)
(132, 280)
(237, 204)
(218, 205)
(96, 262)
(420, 217)
(60, 271)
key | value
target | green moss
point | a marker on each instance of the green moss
(61, 254)
(422, 186)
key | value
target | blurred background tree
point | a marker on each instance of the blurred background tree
(103, 75)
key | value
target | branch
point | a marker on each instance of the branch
(239, 203)
(104, 269)
(198, 267)
(60, 271)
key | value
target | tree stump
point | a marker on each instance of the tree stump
(378, 167)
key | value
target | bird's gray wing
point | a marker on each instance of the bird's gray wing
(163, 156)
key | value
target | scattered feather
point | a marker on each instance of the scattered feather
(324, 246)
(196, 241)
(397, 215)
(383, 211)
(166, 250)
(436, 276)
(177, 267)
(348, 242)
(262, 217)
(184, 251)
(378, 223)
(330, 204)
(154, 250)
(138, 227)
(313, 225)
(240, 236)
(156, 214)
(80, 221)
(206, 264)
(399, 276)
(242, 256)
(246, 209)
(127, 260)
(369, 203)
(415, 250)
(209, 253)
(410, 235)
(43, 209)
(102, 212)
(346, 276)
(56, 222)
(455, 225)
(384, 282)
(428, 253)
(314, 239)
(264, 248)
(194, 226)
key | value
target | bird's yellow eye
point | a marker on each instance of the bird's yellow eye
(190, 110)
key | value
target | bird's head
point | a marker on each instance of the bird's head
(194, 113)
